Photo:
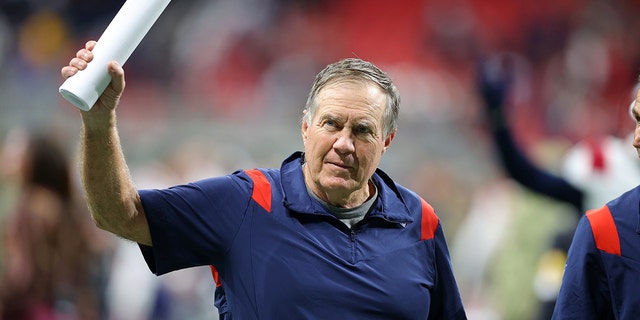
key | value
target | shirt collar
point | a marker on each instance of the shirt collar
(390, 205)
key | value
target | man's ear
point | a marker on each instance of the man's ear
(387, 141)
(304, 127)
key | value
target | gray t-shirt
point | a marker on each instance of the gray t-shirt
(349, 216)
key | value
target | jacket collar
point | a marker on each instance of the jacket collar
(389, 206)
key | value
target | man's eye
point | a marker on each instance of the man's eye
(331, 124)
(363, 129)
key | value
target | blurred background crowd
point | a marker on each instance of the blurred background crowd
(219, 85)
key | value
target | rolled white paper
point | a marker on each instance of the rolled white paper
(117, 42)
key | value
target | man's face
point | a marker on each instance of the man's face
(344, 142)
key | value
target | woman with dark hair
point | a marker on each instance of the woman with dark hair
(50, 265)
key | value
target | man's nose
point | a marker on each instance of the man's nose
(344, 142)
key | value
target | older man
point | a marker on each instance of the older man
(326, 236)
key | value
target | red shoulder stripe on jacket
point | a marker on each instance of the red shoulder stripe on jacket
(262, 195)
(429, 223)
(261, 189)
(604, 230)
(216, 276)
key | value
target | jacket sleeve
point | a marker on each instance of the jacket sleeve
(584, 293)
(494, 88)
(194, 224)
(519, 167)
(446, 300)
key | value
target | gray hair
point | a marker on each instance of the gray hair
(359, 70)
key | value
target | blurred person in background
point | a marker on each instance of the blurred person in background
(328, 235)
(602, 270)
(52, 262)
(593, 170)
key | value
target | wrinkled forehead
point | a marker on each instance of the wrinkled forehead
(353, 89)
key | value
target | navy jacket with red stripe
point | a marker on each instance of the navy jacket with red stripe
(279, 254)
(602, 275)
